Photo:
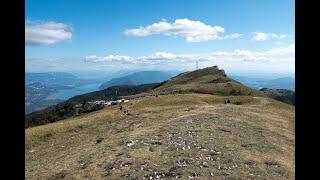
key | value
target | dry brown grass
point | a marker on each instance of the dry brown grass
(252, 140)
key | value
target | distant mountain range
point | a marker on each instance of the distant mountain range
(38, 86)
(35, 97)
(58, 80)
(282, 95)
(142, 77)
(258, 83)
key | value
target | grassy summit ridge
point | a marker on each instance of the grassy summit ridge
(210, 80)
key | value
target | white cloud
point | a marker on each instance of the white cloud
(273, 60)
(232, 36)
(270, 55)
(160, 55)
(261, 36)
(45, 33)
(109, 58)
(192, 31)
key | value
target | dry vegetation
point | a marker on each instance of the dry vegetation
(169, 136)
(210, 80)
(181, 129)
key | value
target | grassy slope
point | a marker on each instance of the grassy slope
(254, 140)
(209, 80)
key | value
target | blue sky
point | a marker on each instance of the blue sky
(97, 29)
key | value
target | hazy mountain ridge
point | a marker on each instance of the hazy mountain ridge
(275, 83)
(141, 77)
(57, 80)
(282, 95)
(35, 97)
(38, 86)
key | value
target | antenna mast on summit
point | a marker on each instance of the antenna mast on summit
(197, 64)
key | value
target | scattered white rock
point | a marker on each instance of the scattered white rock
(130, 143)
(189, 121)
(203, 165)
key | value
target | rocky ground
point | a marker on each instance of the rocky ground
(167, 137)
